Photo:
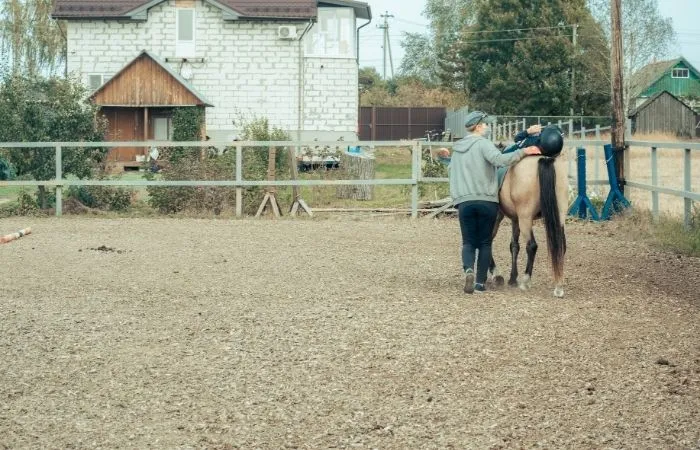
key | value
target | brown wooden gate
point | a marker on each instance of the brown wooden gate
(396, 123)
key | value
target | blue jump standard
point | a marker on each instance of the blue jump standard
(582, 204)
(616, 201)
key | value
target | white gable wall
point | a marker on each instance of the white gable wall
(247, 71)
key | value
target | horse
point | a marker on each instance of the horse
(535, 188)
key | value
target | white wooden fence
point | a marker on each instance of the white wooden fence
(416, 147)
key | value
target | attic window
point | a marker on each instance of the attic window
(96, 80)
(334, 34)
(185, 33)
(680, 73)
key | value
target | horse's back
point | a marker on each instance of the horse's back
(520, 192)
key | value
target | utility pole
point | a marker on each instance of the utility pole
(573, 69)
(387, 44)
(618, 116)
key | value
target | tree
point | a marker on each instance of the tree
(30, 39)
(432, 57)
(522, 63)
(420, 59)
(49, 110)
(646, 36)
(525, 68)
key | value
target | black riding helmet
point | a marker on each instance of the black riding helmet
(551, 140)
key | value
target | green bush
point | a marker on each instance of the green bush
(432, 168)
(109, 198)
(194, 165)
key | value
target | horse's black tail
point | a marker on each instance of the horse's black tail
(549, 208)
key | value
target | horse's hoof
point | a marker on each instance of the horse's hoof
(524, 283)
(513, 283)
(499, 281)
(559, 292)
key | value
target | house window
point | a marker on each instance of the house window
(162, 128)
(333, 36)
(185, 32)
(680, 73)
(96, 80)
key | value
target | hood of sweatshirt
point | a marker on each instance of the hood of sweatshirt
(464, 145)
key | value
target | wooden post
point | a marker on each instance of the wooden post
(688, 210)
(596, 158)
(239, 177)
(415, 173)
(270, 194)
(145, 129)
(59, 177)
(297, 202)
(654, 183)
(618, 122)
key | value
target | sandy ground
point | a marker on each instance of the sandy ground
(338, 333)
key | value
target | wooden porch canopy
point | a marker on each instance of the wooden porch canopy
(148, 82)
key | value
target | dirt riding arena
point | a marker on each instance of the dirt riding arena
(338, 333)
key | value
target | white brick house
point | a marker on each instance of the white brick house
(292, 61)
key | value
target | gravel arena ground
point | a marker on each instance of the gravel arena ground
(338, 333)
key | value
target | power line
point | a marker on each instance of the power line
(412, 23)
(511, 39)
(518, 29)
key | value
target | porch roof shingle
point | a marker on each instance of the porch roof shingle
(93, 9)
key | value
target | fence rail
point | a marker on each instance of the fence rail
(416, 147)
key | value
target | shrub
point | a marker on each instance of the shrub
(110, 198)
(193, 165)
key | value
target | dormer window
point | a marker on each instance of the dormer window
(185, 44)
(333, 36)
(680, 73)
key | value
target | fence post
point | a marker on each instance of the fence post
(415, 175)
(616, 200)
(596, 158)
(59, 177)
(688, 210)
(239, 178)
(524, 124)
(582, 204)
(654, 183)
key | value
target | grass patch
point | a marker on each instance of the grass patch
(669, 232)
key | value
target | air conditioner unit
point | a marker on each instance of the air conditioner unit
(287, 32)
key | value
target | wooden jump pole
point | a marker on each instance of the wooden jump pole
(16, 235)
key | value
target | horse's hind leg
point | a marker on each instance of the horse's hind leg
(531, 252)
(514, 250)
(526, 229)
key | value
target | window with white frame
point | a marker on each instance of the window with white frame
(680, 73)
(185, 33)
(333, 36)
(96, 80)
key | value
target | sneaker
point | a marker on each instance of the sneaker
(469, 281)
(479, 287)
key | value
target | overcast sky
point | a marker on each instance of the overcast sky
(408, 18)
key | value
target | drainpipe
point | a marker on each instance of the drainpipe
(300, 93)
(357, 43)
(357, 56)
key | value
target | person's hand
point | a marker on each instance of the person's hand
(443, 152)
(533, 150)
(534, 129)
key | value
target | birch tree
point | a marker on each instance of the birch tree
(31, 42)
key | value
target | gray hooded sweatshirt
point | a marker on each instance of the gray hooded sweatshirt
(473, 166)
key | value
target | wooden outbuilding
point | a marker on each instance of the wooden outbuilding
(138, 103)
(664, 113)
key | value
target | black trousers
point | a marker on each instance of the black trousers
(476, 221)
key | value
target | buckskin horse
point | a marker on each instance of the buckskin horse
(536, 188)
